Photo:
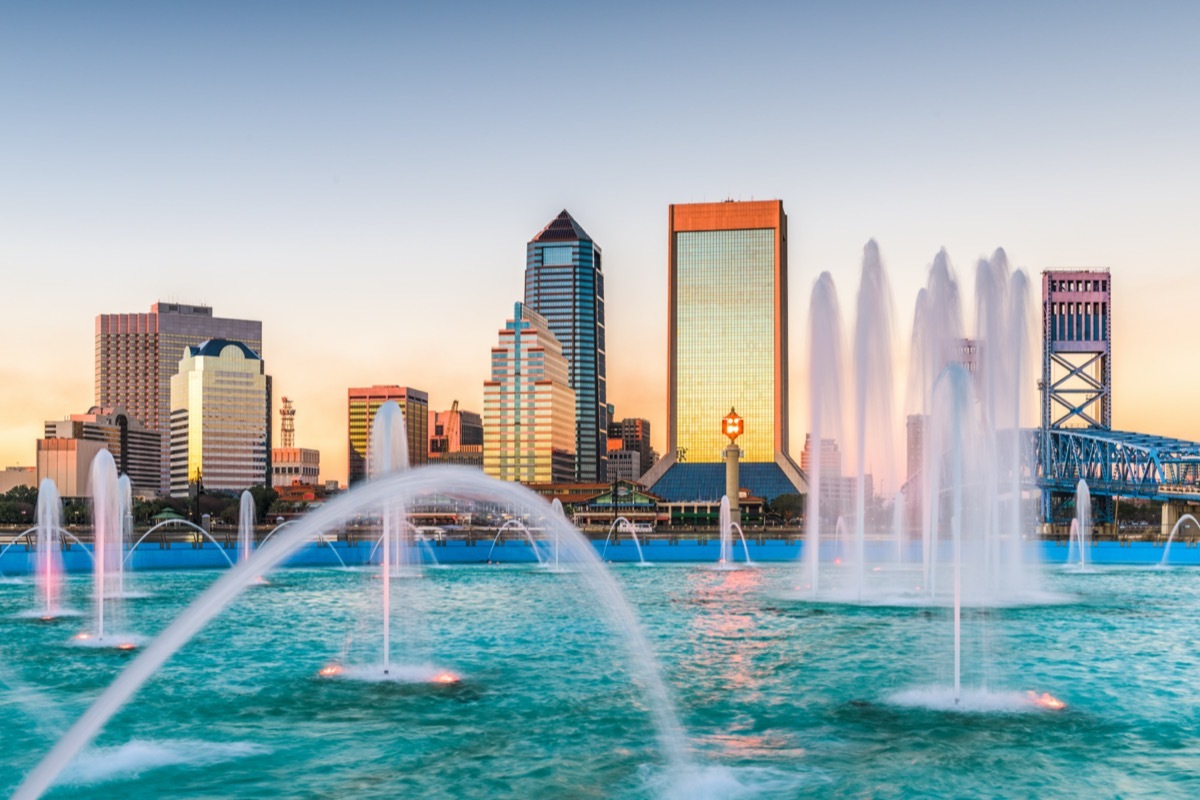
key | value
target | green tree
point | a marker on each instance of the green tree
(788, 506)
(264, 498)
(22, 494)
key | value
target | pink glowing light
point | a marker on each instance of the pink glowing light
(1046, 700)
(445, 677)
(330, 671)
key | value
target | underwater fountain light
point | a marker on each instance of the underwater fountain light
(1046, 700)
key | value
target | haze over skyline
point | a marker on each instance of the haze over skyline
(364, 180)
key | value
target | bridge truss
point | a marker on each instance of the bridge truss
(1115, 463)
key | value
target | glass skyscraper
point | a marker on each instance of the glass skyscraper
(565, 284)
(727, 348)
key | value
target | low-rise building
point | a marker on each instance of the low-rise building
(291, 465)
(136, 450)
(624, 465)
(456, 437)
(67, 462)
(12, 477)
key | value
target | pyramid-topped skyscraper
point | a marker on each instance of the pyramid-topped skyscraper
(564, 283)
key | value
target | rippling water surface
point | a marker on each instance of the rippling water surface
(780, 698)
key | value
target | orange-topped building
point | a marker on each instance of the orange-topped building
(727, 346)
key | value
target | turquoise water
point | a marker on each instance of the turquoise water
(780, 698)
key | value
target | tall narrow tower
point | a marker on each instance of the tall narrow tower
(727, 340)
(1076, 349)
(287, 424)
(1076, 380)
(564, 284)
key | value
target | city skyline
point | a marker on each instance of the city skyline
(155, 155)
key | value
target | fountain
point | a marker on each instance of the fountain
(388, 454)
(518, 525)
(727, 526)
(993, 568)
(199, 531)
(389, 490)
(1175, 529)
(247, 516)
(419, 539)
(825, 409)
(122, 542)
(622, 524)
(1080, 538)
(872, 390)
(840, 535)
(108, 556)
(556, 508)
(898, 525)
(49, 548)
(321, 539)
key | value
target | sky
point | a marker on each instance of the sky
(363, 177)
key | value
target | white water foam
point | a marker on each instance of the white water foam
(719, 782)
(100, 764)
(114, 641)
(397, 673)
(849, 597)
(971, 701)
(41, 613)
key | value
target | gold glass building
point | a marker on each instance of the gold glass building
(362, 405)
(219, 429)
(727, 346)
(528, 405)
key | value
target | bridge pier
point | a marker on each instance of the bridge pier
(1173, 510)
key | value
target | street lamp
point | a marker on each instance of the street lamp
(732, 426)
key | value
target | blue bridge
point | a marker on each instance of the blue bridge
(1116, 464)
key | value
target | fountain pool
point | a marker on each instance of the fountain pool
(779, 698)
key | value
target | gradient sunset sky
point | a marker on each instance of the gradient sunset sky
(363, 177)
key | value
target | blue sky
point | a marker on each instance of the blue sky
(363, 177)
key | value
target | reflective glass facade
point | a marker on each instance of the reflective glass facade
(564, 283)
(727, 348)
(725, 341)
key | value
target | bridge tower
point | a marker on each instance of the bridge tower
(1076, 384)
